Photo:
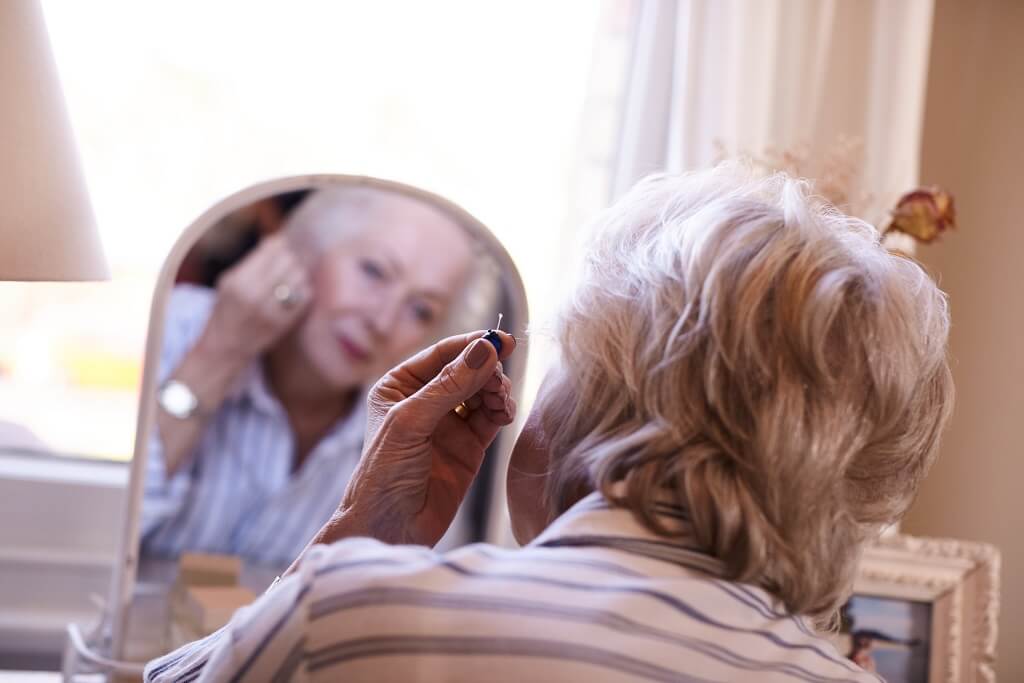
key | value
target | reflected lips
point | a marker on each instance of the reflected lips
(354, 350)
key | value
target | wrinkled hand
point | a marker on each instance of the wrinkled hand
(420, 456)
(251, 311)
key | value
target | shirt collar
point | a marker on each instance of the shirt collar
(595, 522)
(252, 387)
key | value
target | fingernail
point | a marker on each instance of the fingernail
(477, 354)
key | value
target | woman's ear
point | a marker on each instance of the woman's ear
(531, 465)
(526, 481)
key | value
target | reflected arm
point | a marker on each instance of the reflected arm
(210, 374)
(245, 317)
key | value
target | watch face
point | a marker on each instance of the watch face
(177, 399)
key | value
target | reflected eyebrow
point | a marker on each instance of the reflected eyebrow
(438, 297)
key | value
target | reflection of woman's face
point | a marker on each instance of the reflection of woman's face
(380, 296)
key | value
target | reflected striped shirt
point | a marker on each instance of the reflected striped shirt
(597, 597)
(238, 494)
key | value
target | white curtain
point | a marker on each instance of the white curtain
(752, 74)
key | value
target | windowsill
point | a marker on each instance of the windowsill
(38, 467)
(61, 551)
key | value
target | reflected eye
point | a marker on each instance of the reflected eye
(423, 314)
(372, 269)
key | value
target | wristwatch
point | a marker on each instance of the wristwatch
(178, 400)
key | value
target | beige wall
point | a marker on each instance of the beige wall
(974, 146)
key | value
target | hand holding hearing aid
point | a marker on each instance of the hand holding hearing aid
(421, 455)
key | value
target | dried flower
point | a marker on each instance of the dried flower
(924, 214)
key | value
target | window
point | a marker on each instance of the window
(508, 109)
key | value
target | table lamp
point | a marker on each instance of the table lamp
(47, 229)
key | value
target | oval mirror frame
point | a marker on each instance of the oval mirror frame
(515, 312)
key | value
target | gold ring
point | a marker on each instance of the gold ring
(462, 411)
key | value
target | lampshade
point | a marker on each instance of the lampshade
(47, 229)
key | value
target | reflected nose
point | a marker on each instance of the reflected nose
(382, 316)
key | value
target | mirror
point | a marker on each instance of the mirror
(275, 312)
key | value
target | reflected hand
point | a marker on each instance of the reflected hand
(421, 456)
(258, 300)
(246, 319)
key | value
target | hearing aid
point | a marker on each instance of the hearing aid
(493, 337)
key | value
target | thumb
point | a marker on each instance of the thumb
(458, 380)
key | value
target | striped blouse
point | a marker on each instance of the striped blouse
(596, 597)
(238, 494)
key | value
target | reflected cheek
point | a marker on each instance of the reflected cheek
(321, 347)
(404, 341)
(316, 325)
(318, 341)
(334, 300)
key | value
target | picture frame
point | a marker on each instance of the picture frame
(924, 610)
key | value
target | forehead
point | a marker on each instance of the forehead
(432, 250)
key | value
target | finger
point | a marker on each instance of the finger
(426, 364)
(269, 277)
(290, 302)
(301, 287)
(290, 258)
(494, 394)
(456, 381)
(265, 253)
(495, 401)
(494, 384)
(486, 423)
(283, 269)
(502, 385)
(280, 266)
(481, 426)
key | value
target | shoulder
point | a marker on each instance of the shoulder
(186, 313)
(326, 575)
(356, 561)
(189, 303)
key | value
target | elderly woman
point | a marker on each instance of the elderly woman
(748, 388)
(261, 410)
